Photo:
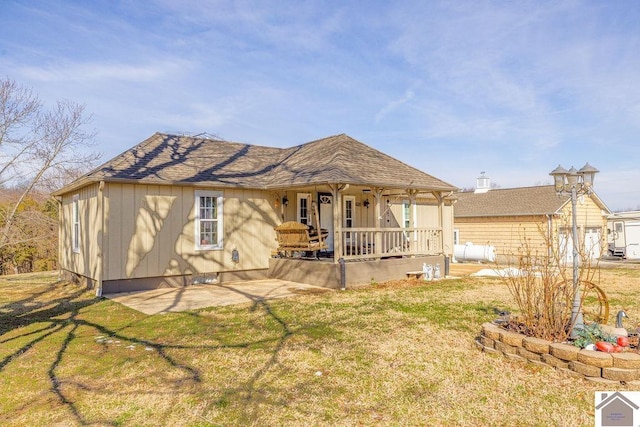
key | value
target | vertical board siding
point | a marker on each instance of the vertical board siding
(151, 232)
(85, 262)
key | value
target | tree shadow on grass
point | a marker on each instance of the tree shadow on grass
(63, 314)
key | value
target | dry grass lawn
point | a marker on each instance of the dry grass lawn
(397, 353)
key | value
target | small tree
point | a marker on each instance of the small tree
(36, 147)
(541, 284)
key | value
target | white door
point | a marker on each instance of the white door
(619, 238)
(566, 247)
(592, 244)
(326, 217)
(350, 244)
(632, 232)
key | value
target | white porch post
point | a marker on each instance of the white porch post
(412, 202)
(377, 196)
(440, 200)
(336, 192)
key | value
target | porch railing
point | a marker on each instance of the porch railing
(366, 243)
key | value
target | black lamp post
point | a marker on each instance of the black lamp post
(573, 182)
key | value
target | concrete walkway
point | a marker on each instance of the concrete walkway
(200, 296)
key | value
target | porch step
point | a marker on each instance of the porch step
(418, 274)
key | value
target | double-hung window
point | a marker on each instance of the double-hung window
(208, 220)
(75, 220)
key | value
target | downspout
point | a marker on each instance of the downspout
(343, 275)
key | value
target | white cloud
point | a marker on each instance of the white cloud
(95, 71)
(393, 105)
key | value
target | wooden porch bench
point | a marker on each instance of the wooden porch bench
(294, 236)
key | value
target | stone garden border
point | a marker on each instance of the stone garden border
(595, 366)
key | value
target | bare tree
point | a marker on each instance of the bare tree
(37, 144)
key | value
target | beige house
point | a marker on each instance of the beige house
(177, 210)
(506, 218)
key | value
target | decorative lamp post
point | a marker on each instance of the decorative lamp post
(574, 182)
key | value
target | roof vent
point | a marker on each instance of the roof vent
(483, 183)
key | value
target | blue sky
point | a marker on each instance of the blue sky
(450, 87)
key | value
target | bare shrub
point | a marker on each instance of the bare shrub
(540, 279)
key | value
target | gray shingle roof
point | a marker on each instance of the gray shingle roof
(540, 200)
(171, 159)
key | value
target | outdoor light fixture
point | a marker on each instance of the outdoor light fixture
(366, 203)
(285, 200)
(564, 179)
(572, 182)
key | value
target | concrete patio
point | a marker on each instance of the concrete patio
(200, 296)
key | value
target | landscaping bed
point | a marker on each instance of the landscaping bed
(596, 366)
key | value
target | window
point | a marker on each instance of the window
(208, 220)
(405, 214)
(303, 208)
(406, 217)
(75, 223)
(349, 204)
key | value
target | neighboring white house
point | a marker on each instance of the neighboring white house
(623, 234)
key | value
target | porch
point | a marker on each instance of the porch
(366, 243)
(343, 275)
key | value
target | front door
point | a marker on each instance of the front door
(326, 216)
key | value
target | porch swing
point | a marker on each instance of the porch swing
(293, 236)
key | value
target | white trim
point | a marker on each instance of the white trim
(218, 220)
(75, 223)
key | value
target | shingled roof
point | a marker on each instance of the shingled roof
(339, 159)
(540, 200)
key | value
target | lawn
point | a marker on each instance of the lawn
(399, 353)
